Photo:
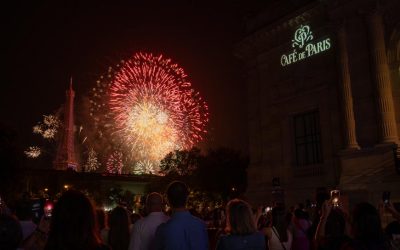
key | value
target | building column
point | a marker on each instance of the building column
(346, 93)
(380, 72)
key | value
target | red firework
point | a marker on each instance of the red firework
(151, 107)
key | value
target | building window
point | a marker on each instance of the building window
(307, 138)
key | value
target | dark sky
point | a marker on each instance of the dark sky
(47, 42)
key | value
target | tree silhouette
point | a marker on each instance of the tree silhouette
(219, 173)
(224, 170)
(181, 162)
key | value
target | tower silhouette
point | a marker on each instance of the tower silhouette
(65, 158)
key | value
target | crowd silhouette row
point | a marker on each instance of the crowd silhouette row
(74, 223)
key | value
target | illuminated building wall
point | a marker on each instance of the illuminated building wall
(323, 88)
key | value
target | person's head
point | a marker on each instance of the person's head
(10, 232)
(154, 202)
(299, 214)
(240, 220)
(73, 223)
(23, 210)
(118, 221)
(101, 219)
(280, 221)
(177, 194)
(366, 223)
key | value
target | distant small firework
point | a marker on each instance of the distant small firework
(92, 163)
(143, 167)
(33, 152)
(48, 128)
(114, 163)
(147, 105)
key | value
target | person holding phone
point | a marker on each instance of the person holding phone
(392, 210)
(333, 229)
(388, 206)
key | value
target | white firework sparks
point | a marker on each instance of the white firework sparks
(33, 152)
(92, 163)
(48, 128)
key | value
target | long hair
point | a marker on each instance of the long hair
(367, 225)
(118, 236)
(73, 223)
(281, 222)
(240, 219)
(335, 225)
(101, 219)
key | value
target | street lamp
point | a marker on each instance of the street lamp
(46, 189)
(66, 187)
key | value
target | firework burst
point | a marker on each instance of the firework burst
(92, 163)
(33, 152)
(143, 167)
(114, 163)
(48, 128)
(147, 105)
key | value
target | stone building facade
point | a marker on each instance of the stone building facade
(323, 81)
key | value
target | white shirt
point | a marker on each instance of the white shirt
(142, 236)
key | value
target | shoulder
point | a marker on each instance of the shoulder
(224, 237)
(267, 231)
(139, 222)
(223, 241)
(197, 221)
(163, 217)
(102, 247)
(255, 237)
(255, 240)
(162, 226)
(258, 235)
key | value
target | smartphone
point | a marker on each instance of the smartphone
(335, 196)
(48, 209)
(386, 197)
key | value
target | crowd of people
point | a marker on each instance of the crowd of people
(74, 223)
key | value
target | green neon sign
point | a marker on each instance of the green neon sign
(304, 47)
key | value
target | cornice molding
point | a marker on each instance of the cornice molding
(248, 46)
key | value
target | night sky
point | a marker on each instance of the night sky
(47, 42)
